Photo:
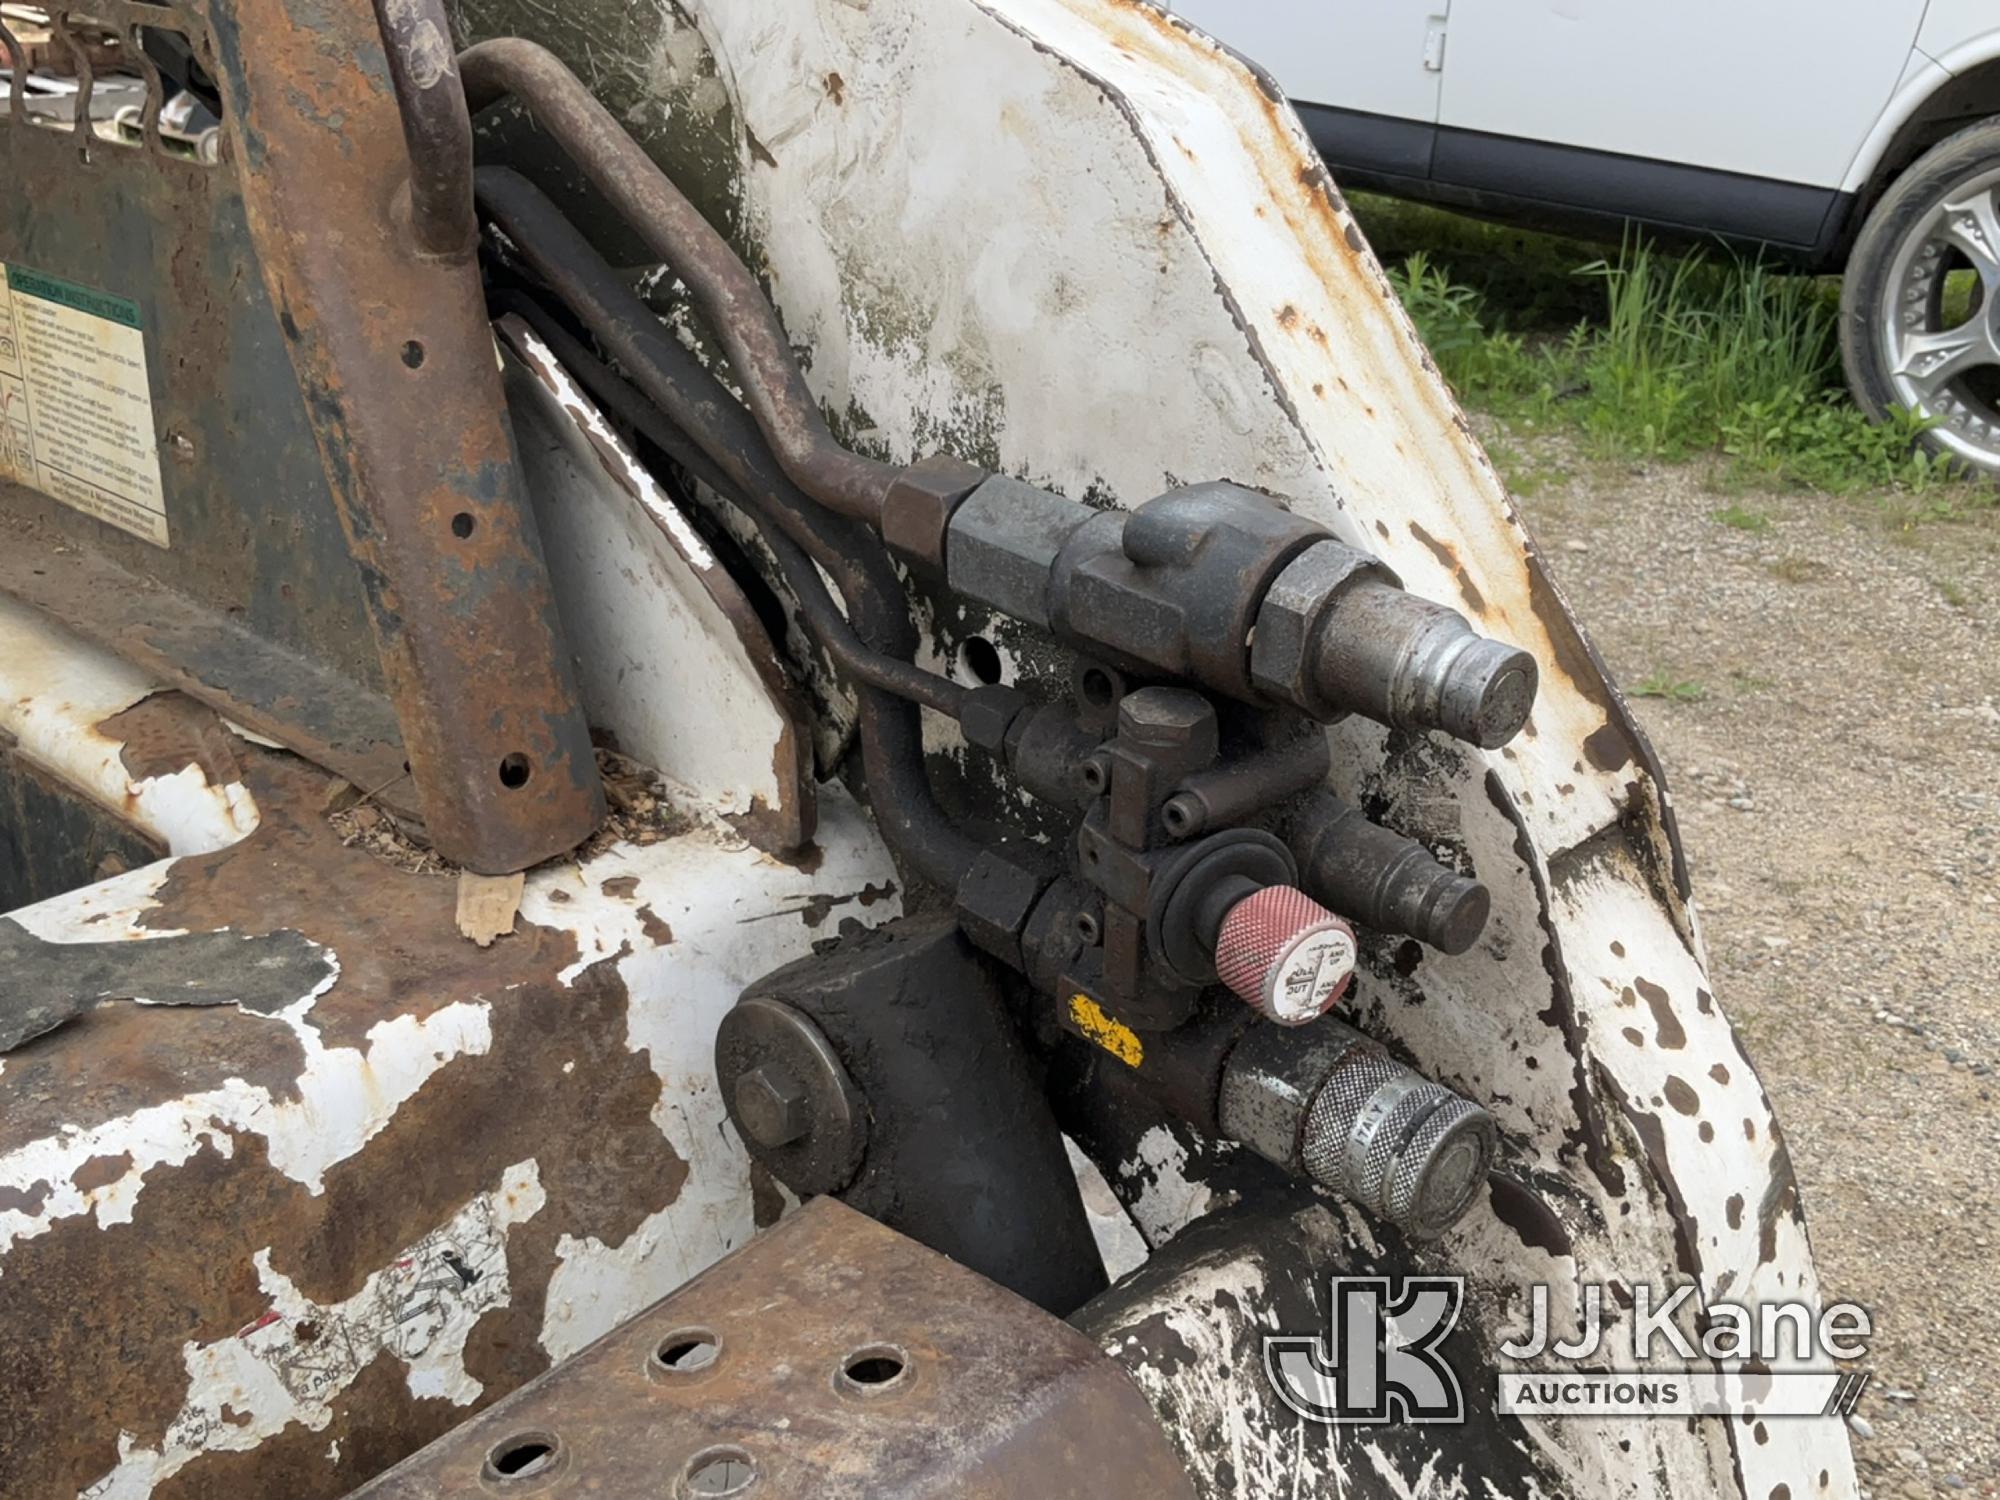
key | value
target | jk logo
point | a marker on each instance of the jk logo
(1378, 1360)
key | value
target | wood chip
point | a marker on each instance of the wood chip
(487, 905)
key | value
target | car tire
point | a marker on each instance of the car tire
(1900, 337)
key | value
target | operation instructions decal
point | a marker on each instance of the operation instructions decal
(76, 414)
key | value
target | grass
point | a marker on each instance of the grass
(1673, 689)
(1646, 355)
(1742, 518)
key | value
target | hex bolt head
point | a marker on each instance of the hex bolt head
(1163, 718)
(771, 1106)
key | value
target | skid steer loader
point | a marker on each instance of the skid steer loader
(791, 749)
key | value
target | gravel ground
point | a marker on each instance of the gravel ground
(1831, 734)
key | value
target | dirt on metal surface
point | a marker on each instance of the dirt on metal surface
(831, 1357)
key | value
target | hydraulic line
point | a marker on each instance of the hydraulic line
(823, 616)
(694, 403)
(730, 300)
(436, 126)
(676, 382)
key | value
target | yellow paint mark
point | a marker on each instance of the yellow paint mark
(1115, 1037)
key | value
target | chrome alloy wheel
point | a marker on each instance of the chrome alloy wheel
(1939, 319)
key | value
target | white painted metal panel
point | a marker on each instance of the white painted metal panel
(1353, 54)
(1787, 89)
(1960, 34)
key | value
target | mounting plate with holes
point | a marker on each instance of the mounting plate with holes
(858, 1362)
(686, 1354)
(524, 1460)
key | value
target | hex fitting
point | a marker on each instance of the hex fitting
(789, 1096)
(1292, 617)
(1227, 588)
(771, 1106)
(1328, 1103)
(1337, 634)
(1002, 543)
(918, 505)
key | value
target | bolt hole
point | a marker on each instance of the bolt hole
(514, 770)
(719, 1471)
(1090, 856)
(1086, 927)
(687, 1351)
(870, 1371)
(413, 354)
(979, 659)
(462, 524)
(1098, 688)
(1093, 776)
(523, 1456)
(1176, 817)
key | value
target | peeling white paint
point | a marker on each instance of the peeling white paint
(1167, 1200)
(345, 1094)
(1119, 1244)
(643, 600)
(292, 1363)
(735, 915)
(55, 691)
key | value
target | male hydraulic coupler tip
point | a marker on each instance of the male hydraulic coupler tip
(1382, 880)
(1335, 634)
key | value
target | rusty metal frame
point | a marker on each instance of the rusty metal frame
(829, 1357)
(366, 256)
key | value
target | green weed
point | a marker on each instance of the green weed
(1673, 689)
(1741, 518)
(1682, 356)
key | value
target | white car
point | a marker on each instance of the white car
(1860, 136)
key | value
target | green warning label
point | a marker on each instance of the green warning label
(76, 413)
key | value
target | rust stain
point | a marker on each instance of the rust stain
(1609, 747)
(164, 734)
(295, 1461)
(657, 931)
(101, 1171)
(27, 1201)
(1447, 555)
(96, 1365)
(1671, 1034)
(1781, 1198)
(111, 1061)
